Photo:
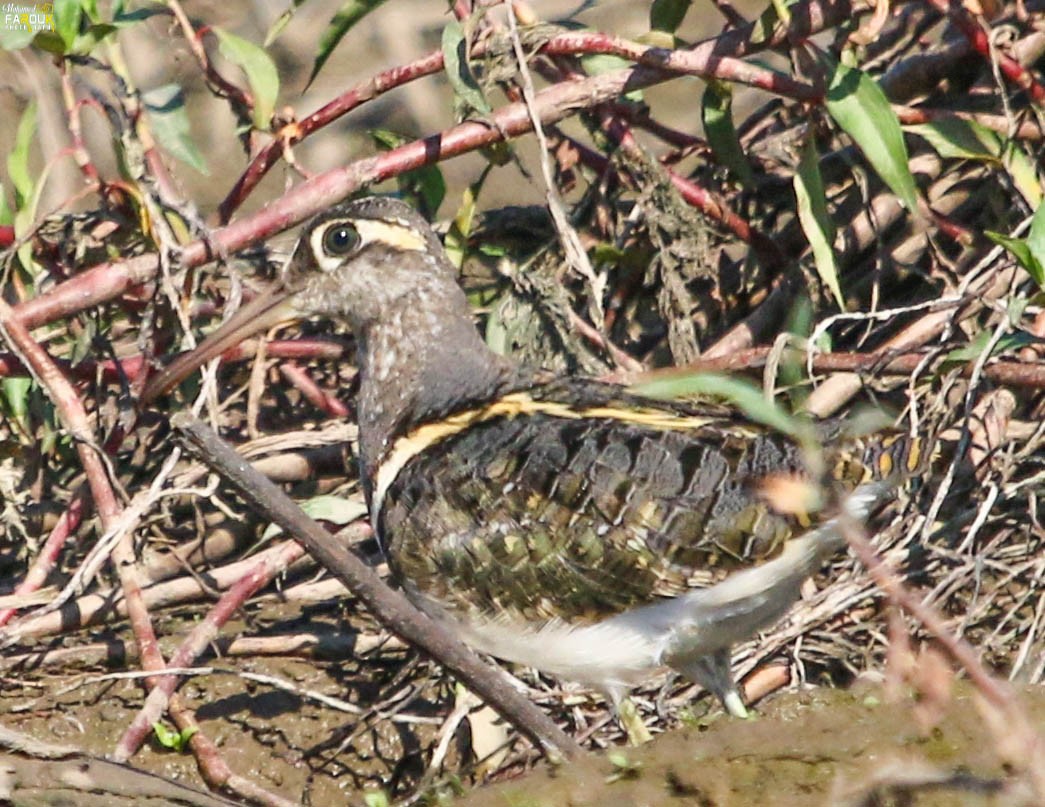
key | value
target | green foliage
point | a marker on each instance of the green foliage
(738, 392)
(858, 105)
(425, 187)
(67, 16)
(376, 798)
(169, 120)
(1029, 252)
(459, 72)
(596, 64)
(959, 139)
(172, 739)
(717, 112)
(340, 24)
(667, 15)
(623, 768)
(815, 219)
(18, 159)
(259, 69)
(281, 22)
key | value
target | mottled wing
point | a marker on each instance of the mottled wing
(546, 514)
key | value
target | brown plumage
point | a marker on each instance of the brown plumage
(566, 525)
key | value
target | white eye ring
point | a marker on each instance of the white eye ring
(332, 242)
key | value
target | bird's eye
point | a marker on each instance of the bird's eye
(340, 239)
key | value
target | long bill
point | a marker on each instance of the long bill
(273, 306)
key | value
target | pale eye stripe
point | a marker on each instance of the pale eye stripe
(394, 234)
(397, 234)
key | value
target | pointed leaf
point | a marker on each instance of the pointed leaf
(815, 220)
(67, 15)
(717, 110)
(18, 159)
(1021, 252)
(169, 120)
(340, 24)
(955, 138)
(1036, 241)
(459, 72)
(260, 71)
(281, 22)
(667, 15)
(743, 394)
(859, 106)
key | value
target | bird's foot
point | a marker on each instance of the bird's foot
(632, 723)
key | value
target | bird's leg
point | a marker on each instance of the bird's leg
(713, 672)
(629, 718)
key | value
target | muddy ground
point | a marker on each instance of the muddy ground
(816, 745)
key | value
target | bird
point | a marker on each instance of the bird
(560, 523)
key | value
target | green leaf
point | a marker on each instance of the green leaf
(14, 391)
(741, 393)
(717, 110)
(172, 739)
(667, 15)
(340, 24)
(859, 106)
(90, 10)
(1029, 252)
(334, 509)
(6, 215)
(122, 18)
(375, 798)
(260, 71)
(1036, 237)
(1006, 344)
(425, 185)
(67, 15)
(815, 220)
(49, 41)
(456, 240)
(92, 37)
(595, 64)
(18, 159)
(459, 72)
(959, 139)
(1020, 250)
(281, 22)
(169, 120)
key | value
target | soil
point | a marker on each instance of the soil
(815, 746)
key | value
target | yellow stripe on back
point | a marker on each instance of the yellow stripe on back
(512, 405)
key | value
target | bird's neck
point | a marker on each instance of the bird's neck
(418, 363)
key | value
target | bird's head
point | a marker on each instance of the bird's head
(362, 261)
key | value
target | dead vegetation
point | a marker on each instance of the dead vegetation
(787, 239)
